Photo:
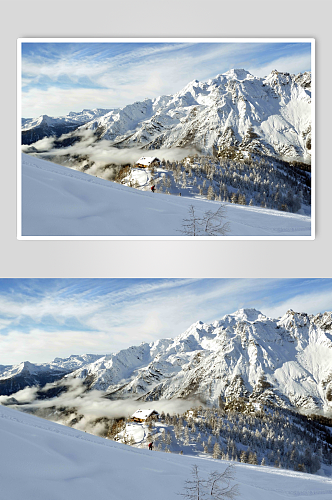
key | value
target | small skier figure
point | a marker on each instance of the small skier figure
(152, 188)
(150, 446)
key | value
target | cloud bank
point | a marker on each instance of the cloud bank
(82, 409)
(96, 157)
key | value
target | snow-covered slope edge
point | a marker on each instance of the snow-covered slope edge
(41, 459)
(57, 201)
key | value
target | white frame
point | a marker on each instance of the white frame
(20, 41)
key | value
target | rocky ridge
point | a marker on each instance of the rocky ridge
(235, 111)
(287, 362)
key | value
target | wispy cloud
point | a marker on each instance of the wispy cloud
(311, 303)
(42, 320)
(58, 78)
(290, 64)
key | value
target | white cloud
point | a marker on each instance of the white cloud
(310, 303)
(59, 308)
(293, 64)
(144, 72)
(112, 319)
(58, 102)
(39, 346)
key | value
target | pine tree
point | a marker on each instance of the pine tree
(210, 193)
(252, 458)
(242, 199)
(216, 451)
(186, 436)
(234, 198)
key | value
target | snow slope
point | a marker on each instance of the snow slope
(57, 201)
(43, 460)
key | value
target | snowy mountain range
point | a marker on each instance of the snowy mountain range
(234, 111)
(17, 377)
(285, 361)
(34, 129)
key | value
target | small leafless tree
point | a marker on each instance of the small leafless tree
(219, 484)
(194, 488)
(210, 224)
(192, 225)
(216, 487)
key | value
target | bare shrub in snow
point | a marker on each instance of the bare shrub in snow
(210, 224)
(216, 487)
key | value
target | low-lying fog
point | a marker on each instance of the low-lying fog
(76, 400)
(96, 157)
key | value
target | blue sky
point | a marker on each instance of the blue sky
(41, 319)
(61, 77)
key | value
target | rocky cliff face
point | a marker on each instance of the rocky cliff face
(287, 362)
(234, 112)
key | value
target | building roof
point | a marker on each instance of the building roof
(147, 160)
(143, 414)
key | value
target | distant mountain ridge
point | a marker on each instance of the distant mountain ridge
(26, 374)
(285, 361)
(34, 129)
(234, 111)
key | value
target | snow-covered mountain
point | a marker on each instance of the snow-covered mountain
(26, 374)
(235, 111)
(287, 362)
(34, 129)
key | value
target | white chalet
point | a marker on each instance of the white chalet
(144, 415)
(148, 161)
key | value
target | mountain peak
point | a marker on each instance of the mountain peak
(239, 74)
(202, 114)
(230, 358)
(246, 314)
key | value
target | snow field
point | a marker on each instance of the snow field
(43, 460)
(57, 201)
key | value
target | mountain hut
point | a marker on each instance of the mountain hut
(144, 415)
(148, 161)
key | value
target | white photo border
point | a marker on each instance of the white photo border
(21, 41)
